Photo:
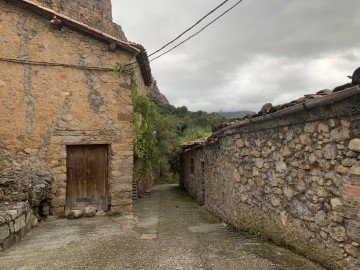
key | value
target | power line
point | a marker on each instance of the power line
(187, 30)
(49, 64)
(198, 32)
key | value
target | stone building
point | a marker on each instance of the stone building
(291, 174)
(66, 131)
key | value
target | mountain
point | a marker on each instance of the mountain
(155, 94)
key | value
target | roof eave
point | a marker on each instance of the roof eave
(74, 24)
(334, 97)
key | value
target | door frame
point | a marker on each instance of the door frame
(107, 171)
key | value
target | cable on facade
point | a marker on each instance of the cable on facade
(130, 64)
(36, 63)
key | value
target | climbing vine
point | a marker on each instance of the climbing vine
(145, 120)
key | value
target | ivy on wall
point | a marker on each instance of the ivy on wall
(160, 129)
(146, 146)
(145, 121)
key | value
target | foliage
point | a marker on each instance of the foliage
(179, 126)
(146, 117)
(160, 129)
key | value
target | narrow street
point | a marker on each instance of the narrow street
(168, 231)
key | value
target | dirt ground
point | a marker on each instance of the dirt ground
(167, 231)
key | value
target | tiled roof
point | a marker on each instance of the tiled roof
(269, 111)
(194, 143)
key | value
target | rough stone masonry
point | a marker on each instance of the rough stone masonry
(47, 108)
(294, 179)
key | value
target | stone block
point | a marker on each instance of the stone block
(100, 214)
(281, 167)
(90, 211)
(340, 134)
(11, 240)
(348, 162)
(353, 229)
(75, 214)
(19, 223)
(354, 145)
(330, 151)
(120, 202)
(34, 221)
(4, 232)
(323, 128)
(337, 232)
(354, 183)
(352, 190)
(57, 211)
(60, 177)
(321, 219)
(275, 201)
(121, 209)
(121, 187)
(59, 170)
(355, 170)
(30, 151)
(357, 205)
(13, 214)
(2, 221)
(310, 127)
(341, 169)
(58, 201)
(352, 251)
(336, 204)
(115, 173)
(45, 208)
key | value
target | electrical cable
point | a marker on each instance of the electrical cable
(187, 30)
(37, 63)
(198, 32)
(130, 64)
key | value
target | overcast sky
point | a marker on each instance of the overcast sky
(262, 51)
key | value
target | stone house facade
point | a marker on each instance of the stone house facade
(66, 128)
(292, 176)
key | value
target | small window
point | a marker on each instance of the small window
(192, 165)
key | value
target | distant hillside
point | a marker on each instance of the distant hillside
(237, 114)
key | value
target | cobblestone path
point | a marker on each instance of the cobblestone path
(168, 231)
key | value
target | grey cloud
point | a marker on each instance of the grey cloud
(262, 51)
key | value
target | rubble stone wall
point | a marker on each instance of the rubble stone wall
(294, 180)
(95, 13)
(16, 219)
(45, 108)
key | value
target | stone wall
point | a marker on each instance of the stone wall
(45, 108)
(16, 219)
(294, 179)
(95, 13)
(144, 181)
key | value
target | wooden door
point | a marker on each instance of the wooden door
(87, 172)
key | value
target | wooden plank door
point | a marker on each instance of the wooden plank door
(87, 172)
